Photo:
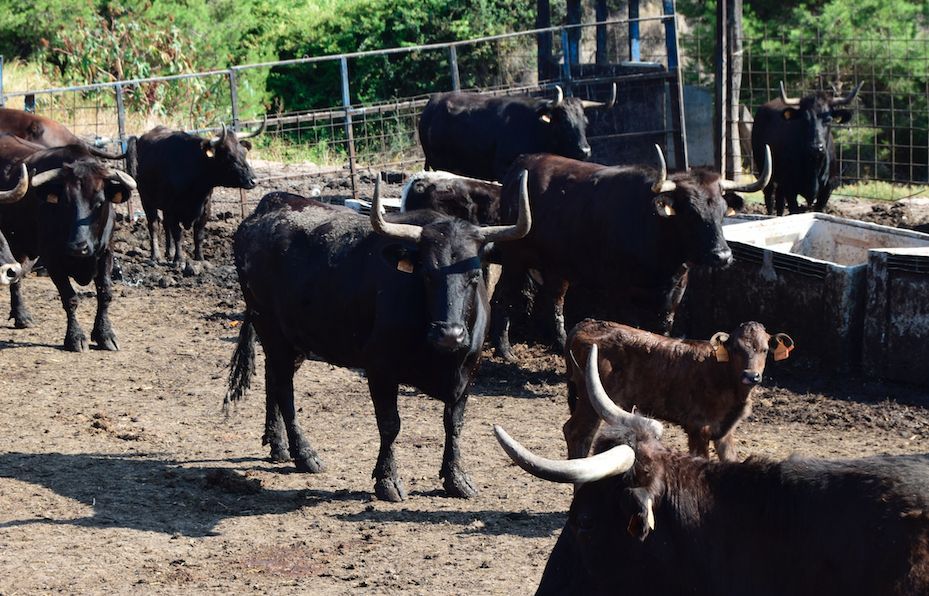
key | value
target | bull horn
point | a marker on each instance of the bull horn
(120, 176)
(222, 135)
(559, 96)
(759, 182)
(523, 220)
(45, 177)
(789, 101)
(662, 184)
(609, 412)
(588, 104)
(248, 135)
(392, 230)
(18, 191)
(841, 101)
(613, 462)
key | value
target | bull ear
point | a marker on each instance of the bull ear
(400, 257)
(642, 521)
(782, 345)
(841, 116)
(207, 148)
(664, 206)
(246, 144)
(734, 203)
(717, 341)
(789, 114)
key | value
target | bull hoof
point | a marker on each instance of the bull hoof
(310, 464)
(105, 341)
(390, 489)
(459, 485)
(22, 320)
(76, 342)
(505, 354)
(280, 455)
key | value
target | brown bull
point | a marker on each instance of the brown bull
(44, 131)
(704, 386)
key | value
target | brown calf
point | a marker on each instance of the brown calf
(704, 386)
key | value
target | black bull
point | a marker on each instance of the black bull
(799, 132)
(177, 172)
(480, 136)
(625, 232)
(66, 218)
(648, 520)
(405, 300)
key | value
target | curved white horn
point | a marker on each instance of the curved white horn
(613, 462)
(222, 134)
(759, 182)
(248, 135)
(127, 180)
(523, 221)
(662, 184)
(610, 412)
(45, 177)
(790, 101)
(559, 96)
(393, 230)
(18, 191)
(841, 101)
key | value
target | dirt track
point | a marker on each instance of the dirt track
(120, 473)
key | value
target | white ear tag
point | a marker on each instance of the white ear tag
(669, 210)
(405, 266)
(53, 199)
(210, 152)
(546, 118)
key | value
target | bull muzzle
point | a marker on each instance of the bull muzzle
(10, 273)
(80, 248)
(447, 337)
(751, 377)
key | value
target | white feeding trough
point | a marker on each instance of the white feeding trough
(808, 275)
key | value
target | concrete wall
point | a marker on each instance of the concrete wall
(698, 118)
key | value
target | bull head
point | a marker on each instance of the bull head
(488, 234)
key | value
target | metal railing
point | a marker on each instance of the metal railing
(365, 116)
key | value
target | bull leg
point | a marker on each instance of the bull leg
(552, 294)
(75, 340)
(387, 483)
(725, 447)
(456, 482)
(199, 227)
(698, 441)
(825, 191)
(102, 333)
(581, 427)
(280, 365)
(275, 433)
(153, 221)
(792, 205)
(22, 318)
(505, 294)
(769, 192)
(177, 236)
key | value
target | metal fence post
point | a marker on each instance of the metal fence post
(234, 99)
(121, 128)
(349, 133)
(566, 62)
(453, 65)
(2, 98)
(635, 54)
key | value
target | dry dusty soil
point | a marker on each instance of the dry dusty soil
(120, 473)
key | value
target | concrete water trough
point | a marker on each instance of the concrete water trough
(820, 278)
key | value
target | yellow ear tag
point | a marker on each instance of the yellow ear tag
(730, 212)
(782, 352)
(405, 266)
(546, 118)
(787, 116)
(722, 354)
(117, 198)
(669, 210)
(53, 199)
(210, 152)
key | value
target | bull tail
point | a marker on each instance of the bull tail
(132, 156)
(242, 365)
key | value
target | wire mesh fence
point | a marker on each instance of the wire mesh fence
(359, 111)
(883, 152)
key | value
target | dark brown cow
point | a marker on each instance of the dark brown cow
(44, 131)
(648, 520)
(704, 386)
(66, 217)
(627, 232)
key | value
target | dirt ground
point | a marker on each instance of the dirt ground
(120, 473)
